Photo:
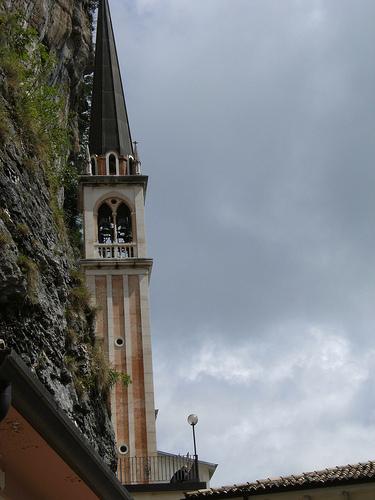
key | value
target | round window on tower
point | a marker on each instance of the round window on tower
(123, 449)
(119, 342)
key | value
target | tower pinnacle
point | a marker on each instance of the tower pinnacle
(109, 127)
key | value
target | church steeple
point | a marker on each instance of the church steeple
(116, 263)
(109, 127)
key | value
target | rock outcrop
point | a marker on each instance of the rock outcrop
(44, 314)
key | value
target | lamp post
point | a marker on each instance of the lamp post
(193, 420)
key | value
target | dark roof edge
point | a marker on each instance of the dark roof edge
(114, 179)
(165, 487)
(37, 406)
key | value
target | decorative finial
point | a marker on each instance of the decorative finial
(136, 158)
(88, 161)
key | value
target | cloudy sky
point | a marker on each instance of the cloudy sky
(256, 123)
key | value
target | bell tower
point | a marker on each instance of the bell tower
(115, 263)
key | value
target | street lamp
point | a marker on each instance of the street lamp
(193, 420)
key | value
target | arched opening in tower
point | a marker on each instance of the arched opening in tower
(112, 164)
(105, 224)
(94, 170)
(124, 224)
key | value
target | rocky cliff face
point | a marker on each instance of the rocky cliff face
(44, 314)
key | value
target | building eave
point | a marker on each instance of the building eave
(107, 264)
(113, 181)
(32, 400)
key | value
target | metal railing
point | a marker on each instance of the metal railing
(115, 250)
(158, 469)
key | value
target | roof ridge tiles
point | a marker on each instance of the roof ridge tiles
(340, 474)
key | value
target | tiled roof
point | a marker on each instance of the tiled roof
(327, 477)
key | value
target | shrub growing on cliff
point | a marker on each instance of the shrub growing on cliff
(30, 270)
(23, 230)
(5, 216)
(89, 367)
(4, 124)
(94, 373)
(104, 376)
(5, 239)
(79, 297)
(27, 64)
(39, 108)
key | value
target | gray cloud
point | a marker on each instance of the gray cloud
(256, 122)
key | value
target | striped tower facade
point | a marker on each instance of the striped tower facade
(115, 262)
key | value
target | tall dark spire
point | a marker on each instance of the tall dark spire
(109, 127)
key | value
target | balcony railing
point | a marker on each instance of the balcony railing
(115, 250)
(158, 469)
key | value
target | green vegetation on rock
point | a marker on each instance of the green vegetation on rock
(5, 239)
(37, 107)
(31, 272)
(45, 313)
(85, 359)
